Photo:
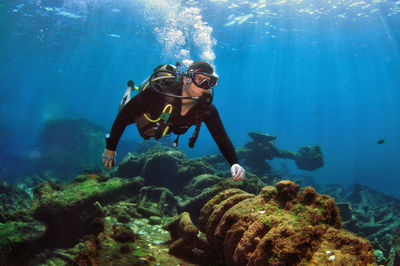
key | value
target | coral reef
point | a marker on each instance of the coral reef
(280, 227)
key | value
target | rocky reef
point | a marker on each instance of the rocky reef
(123, 216)
(280, 226)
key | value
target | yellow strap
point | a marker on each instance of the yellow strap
(164, 111)
(165, 131)
(149, 119)
(168, 106)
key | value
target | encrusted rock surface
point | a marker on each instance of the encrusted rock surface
(67, 211)
(280, 227)
(152, 167)
(184, 240)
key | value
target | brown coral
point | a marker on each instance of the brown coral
(280, 227)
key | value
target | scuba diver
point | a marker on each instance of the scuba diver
(171, 101)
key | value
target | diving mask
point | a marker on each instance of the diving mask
(204, 80)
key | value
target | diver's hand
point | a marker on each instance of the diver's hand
(237, 172)
(108, 159)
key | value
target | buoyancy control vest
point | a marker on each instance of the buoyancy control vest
(167, 80)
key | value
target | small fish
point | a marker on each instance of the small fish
(381, 141)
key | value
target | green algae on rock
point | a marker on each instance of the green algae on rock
(68, 210)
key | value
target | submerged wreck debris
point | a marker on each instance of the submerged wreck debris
(370, 214)
(280, 227)
(262, 148)
(185, 242)
(156, 201)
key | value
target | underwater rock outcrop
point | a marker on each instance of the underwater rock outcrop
(280, 226)
(76, 141)
(68, 211)
(207, 186)
(262, 147)
(17, 239)
(168, 168)
(12, 199)
(185, 242)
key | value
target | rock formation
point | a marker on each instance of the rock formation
(280, 227)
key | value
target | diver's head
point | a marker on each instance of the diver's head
(202, 75)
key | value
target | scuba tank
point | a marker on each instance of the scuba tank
(130, 86)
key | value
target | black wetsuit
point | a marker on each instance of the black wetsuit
(150, 101)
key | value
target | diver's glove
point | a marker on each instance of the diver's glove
(238, 172)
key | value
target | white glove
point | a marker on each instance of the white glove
(237, 172)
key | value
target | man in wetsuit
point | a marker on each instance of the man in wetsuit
(191, 105)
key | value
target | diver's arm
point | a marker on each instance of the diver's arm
(123, 119)
(217, 130)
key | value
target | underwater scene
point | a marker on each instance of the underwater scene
(213, 132)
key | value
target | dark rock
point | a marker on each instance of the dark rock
(130, 166)
(199, 183)
(123, 219)
(123, 233)
(153, 220)
(12, 199)
(188, 169)
(18, 241)
(97, 225)
(345, 210)
(310, 158)
(68, 210)
(184, 240)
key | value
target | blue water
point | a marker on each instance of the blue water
(309, 72)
